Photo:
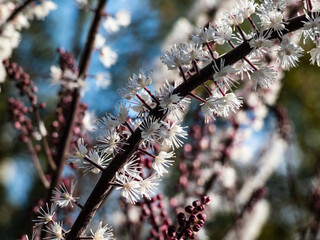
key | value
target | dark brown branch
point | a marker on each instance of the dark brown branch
(82, 70)
(103, 188)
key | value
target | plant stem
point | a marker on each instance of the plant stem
(102, 188)
(37, 164)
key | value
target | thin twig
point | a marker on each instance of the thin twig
(37, 164)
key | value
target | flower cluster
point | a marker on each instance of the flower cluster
(10, 27)
(188, 228)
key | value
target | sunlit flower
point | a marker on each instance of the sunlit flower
(56, 231)
(62, 197)
(171, 134)
(222, 103)
(79, 152)
(150, 131)
(203, 35)
(129, 187)
(162, 161)
(109, 141)
(263, 77)
(315, 54)
(224, 76)
(102, 233)
(123, 18)
(108, 57)
(101, 160)
(148, 186)
(289, 54)
(45, 215)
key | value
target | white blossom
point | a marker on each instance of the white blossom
(62, 197)
(223, 33)
(103, 80)
(263, 77)
(123, 18)
(45, 215)
(102, 233)
(224, 76)
(109, 141)
(111, 25)
(203, 35)
(108, 57)
(150, 131)
(162, 161)
(222, 103)
(315, 54)
(172, 132)
(99, 41)
(148, 186)
(129, 187)
(56, 231)
(289, 54)
(100, 159)
(79, 152)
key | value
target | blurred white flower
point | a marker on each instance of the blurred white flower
(123, 18)
(108, 57)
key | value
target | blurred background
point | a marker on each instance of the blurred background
(138, 46)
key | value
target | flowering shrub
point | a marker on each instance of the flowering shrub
(133, 150)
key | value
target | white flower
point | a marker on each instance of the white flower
(3, 73)
(311, 27)
(99, 41)
(138, 106)
(315, 54)
(123, 112)
(192, 52)
(56, 231)
(41, 10)
(223, 33)
(79, 152)
(261, 41)
(102, 233)
(289, 54)
(243, 68)
(45, 216)
(123, 18)
(176, 57)
(140, 80)
(162, 161)
(129, 187)
(203, 35)
(108, 122)
(89, 120)
(150, 131)
(100, 160)
(56, 74)
(169, 102)
(222, 104)
(234, 17)
(111, 25)
(271, 17)
(103, 80)
(224, 75)
(63, 197)
(248, 7)
(148, 186)
(172, 132)
(109, 141)
(132, 167)
(207, 112)
(108, 57)
(82, 3)
(263, 77)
